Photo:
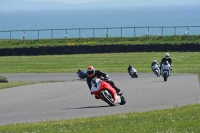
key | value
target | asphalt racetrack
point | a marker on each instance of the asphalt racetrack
(71, 98)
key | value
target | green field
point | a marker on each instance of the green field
(177, 120)
(183, 62)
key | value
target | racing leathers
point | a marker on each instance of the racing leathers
(129, 68)
(166, 59)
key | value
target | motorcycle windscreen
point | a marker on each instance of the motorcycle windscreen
(96, 83)
(132, 70)
(155, 66)
(165, 67)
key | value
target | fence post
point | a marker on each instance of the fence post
(79, 33)
(107, 33)
(52, 34)
(10, 35)
(147, 32)
(65, 31)
(65, 34)
(134, 32)
(174, 30)
(121, 32)
(188, 30)
(93, 33)
(38, 35)
(23, 38)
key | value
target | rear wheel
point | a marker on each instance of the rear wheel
(107, 97)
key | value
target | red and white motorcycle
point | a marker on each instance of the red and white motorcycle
(106, 92)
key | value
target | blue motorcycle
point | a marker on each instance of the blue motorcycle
(81, 73)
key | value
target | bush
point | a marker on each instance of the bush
(3, 79)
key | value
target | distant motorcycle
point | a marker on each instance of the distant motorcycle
(106, 92)
(81, 73)
(156, 70)
(133, 73)
(166, 70)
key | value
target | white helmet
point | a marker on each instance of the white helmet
(154, 61)
(167, 55)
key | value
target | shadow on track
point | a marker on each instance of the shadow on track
(156, 81)
(80, 80)
(88, 107)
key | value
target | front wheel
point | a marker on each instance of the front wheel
(123, 100)
(107, 97)
(136, 75)
(165, 76)
(156, 72)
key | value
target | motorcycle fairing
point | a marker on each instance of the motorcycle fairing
(98, 85)
(133, 70)
(155, 67)
(165, 69)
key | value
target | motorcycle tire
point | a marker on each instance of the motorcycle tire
(123, 100)
(135, 74)
(165, 76)
(156, 72)
(107, 98)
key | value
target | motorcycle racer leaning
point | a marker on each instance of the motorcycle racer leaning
(91, 72)
(129, 68)
(153, 63)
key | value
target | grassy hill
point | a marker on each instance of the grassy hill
(175, 40)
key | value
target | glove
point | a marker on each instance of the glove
(107, 76)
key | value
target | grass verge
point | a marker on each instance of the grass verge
(184, 119)
(21, 83)
(3, 79)
(183, 62)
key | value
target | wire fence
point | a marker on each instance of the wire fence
(99, 32)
